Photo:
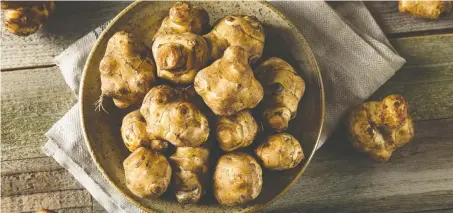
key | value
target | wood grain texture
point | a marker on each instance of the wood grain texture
(19, 166)
(419, 176)
(38, 182)
(391, 21)
(42, 47)
(31, 102)
(52, 200)
(425, 50)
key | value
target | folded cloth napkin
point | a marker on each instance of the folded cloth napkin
(353, 54)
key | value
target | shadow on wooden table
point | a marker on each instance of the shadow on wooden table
(79, 18)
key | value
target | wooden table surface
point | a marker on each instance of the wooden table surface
(418, 177)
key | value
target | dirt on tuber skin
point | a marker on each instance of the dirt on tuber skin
(134, 134)
(171, 117)
(280, 152)
(147, 172)
(228, 85)
(243, 31)
(236, 131)
(26, 17)
(238, 179)
(127, 70)
(191, 167)
(380, 127)
(283, 89)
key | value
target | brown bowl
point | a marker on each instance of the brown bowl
(102, 130)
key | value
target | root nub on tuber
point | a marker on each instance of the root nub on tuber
(179, 57)
(183, 18)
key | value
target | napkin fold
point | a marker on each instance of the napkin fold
(353, 54)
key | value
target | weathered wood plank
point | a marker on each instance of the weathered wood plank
(63, 30)
(42, 47)
(38, 182)
(425, 50)
(32, 101)
(52, 200)
(419, 176)
(391, 21)
(430, 100)
(41, 164)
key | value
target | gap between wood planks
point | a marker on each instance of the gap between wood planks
(27, 67)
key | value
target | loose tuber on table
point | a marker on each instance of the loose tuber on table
(380, 127)
(26, 17)
(425, 9)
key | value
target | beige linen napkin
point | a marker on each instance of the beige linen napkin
(354, 55)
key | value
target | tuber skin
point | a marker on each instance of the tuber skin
(228, 85)
(127, 70)
(148, 173)
(380, 127)
(183, 18)
(280, 152)
(238, 30)
(26, 17)
(171, 117)
(236, 131)
(134, 134)
(190, 166)
(283, 89)
(238, 179)
(179, 57)
(425, 9)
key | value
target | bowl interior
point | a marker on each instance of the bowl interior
(102, 130)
